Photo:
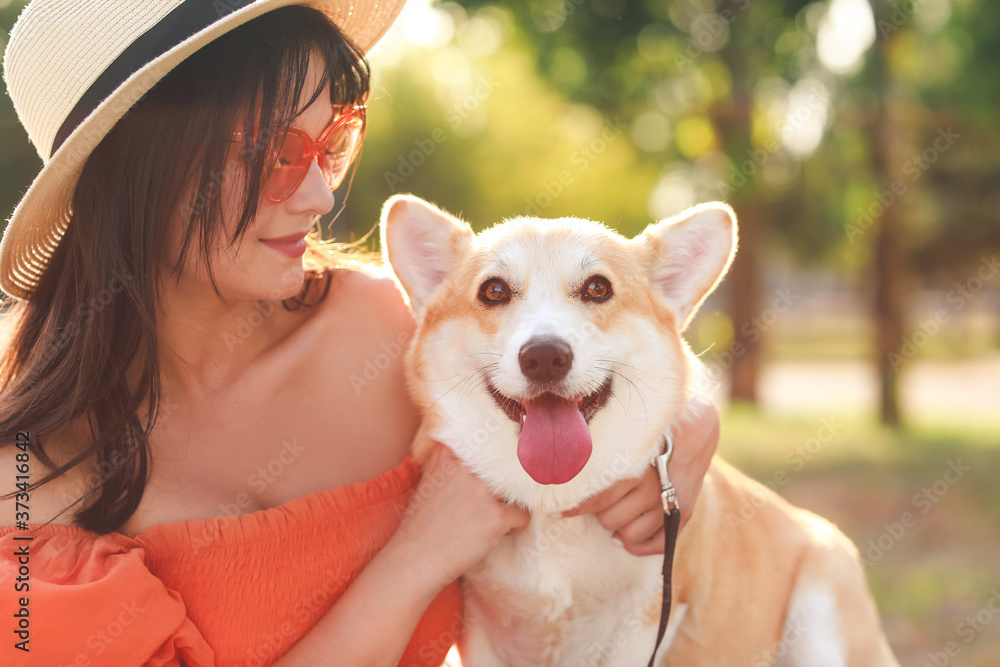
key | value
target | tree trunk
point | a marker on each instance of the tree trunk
(889, 296)
(736, 127)
(745, 290)
(888, 316)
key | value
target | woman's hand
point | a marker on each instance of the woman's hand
(631, 508)
(454, 519)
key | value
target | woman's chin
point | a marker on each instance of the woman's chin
(289, 282)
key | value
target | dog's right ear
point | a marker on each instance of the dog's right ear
(689, 256)
(422, 244)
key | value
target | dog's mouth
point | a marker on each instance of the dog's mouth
(554, 444)
(587, 405)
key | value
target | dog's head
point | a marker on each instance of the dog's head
(549, 355)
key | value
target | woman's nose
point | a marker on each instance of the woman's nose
(313, 195)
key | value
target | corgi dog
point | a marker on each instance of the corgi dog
(549, 359)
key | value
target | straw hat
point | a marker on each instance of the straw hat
(74, 67)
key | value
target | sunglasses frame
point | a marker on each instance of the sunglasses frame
(313, 151)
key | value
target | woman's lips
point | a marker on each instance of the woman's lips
(293, 245)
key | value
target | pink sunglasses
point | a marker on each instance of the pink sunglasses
(334, 150)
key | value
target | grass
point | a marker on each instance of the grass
(930, 577)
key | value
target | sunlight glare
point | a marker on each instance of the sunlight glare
(846, 32)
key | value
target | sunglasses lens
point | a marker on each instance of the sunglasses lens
(296, 155)
(290, 168)
(340, 152)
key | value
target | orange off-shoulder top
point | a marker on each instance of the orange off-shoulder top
(227, 592)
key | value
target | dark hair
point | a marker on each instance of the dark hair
(84, 345)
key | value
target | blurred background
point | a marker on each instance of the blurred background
(854, 349)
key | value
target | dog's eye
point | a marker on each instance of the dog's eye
(597, 288)
(494, 292)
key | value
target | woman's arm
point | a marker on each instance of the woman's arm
(631, 508)
(451, 524)
(372, 622)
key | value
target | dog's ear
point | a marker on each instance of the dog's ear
(422, 244)
(689, 254)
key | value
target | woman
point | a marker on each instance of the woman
(206, 487)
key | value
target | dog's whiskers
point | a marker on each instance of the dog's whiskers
(632, 385)
(613, 362)
(467, 378)
(472, 354)
(481, 379)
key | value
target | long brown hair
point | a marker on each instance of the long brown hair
(84, 345)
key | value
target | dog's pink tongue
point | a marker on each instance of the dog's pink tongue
(555, 441)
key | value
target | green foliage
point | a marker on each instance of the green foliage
(19, 163)
(671, 79)
(690, 61)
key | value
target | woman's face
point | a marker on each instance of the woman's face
(267, 262)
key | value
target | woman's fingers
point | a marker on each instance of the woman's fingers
(640, 529)
(641, 498)
(604, 500)
(695, 440)
(649, 547)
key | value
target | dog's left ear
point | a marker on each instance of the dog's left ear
(422, 244)
(689, 255)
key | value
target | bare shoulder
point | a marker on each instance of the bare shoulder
(367, 329)
(367, 313)
(371, 297)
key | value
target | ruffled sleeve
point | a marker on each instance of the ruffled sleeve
(91, 601)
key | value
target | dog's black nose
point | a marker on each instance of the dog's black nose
(545, 359)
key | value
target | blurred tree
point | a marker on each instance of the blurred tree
(928, 77)
(693, 65)
(763, 83)
(629, 111)
(885, 137)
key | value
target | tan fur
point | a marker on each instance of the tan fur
(558, 593)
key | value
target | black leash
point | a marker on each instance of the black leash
(671, 523)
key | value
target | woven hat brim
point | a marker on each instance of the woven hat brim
(42, 216)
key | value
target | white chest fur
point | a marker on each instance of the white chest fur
(561, 593)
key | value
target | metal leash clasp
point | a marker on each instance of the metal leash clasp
(668, 494)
